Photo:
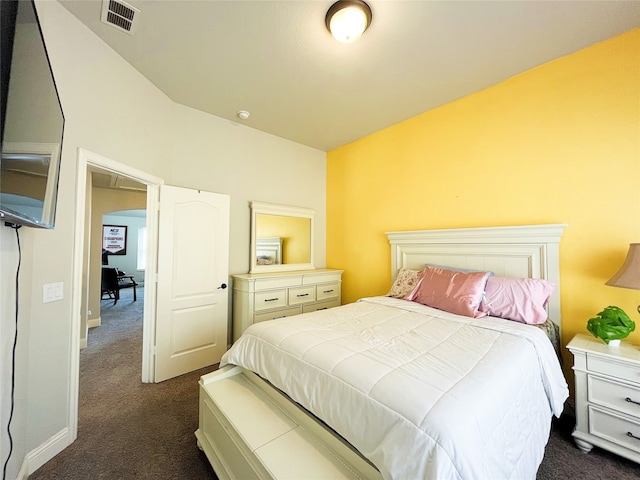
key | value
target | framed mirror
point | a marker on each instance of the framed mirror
(281, 238)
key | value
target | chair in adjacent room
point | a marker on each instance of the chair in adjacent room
(110, 285)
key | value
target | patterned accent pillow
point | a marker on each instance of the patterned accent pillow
(404, 283)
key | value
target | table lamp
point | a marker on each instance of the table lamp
(629, 275)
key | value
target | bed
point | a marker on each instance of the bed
(392, 388)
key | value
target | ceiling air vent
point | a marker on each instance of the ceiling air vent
(119, 15)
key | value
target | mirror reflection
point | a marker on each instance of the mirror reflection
(281, 237)
(23, 183)
(32, 126)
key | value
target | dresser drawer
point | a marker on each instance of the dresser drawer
(300, 295)
(270, 299)
(277, 282)
(612, 368)
(265, 296)
(623, 398)
(322, 278)
(329, 290)
(321, 306)
(615, 429)
(285, 312)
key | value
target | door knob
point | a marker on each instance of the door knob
(223, 286)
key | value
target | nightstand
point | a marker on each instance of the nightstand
(607, 396)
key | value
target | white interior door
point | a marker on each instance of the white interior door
(193, 271)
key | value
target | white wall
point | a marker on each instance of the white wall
(225, 157)
(110, 109)
(8, 269)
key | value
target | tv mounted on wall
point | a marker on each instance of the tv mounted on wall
(32, 121)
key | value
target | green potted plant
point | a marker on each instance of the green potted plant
(611, 325)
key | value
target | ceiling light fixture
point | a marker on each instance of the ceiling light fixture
(243, 114)
(348, 19)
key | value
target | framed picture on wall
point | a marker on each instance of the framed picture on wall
(114, 239)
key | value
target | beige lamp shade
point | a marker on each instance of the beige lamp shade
(629, 275)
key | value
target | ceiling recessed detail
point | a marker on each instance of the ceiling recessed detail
(115, 181)
(119, 15)
(243, 114)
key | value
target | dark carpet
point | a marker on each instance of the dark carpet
(131, 430)
(128, 429)
(563, 460)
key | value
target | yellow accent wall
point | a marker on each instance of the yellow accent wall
(556, 144)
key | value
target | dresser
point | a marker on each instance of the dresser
(607, 396)
(264, 296)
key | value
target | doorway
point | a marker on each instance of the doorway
(184, 326)
(87, 163)
(119, 203)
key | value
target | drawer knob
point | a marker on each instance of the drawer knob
(631, 401)
(629, 434)
(327, 291)
(302, 295)
(271, 299)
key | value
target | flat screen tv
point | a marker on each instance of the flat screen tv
(32, 121)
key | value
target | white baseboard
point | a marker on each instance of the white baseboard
(94, 322)
(83, 343)
(23, 474)
(49, 449)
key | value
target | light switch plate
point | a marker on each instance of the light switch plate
(52, 292)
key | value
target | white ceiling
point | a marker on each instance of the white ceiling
(277, 60)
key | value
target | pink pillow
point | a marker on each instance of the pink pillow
(520, 299)
(451, 291)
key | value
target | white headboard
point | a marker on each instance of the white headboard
(269, 248)
(530, 251)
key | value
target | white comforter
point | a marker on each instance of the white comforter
(423, 394)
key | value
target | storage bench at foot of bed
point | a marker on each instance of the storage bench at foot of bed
(249, 430)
